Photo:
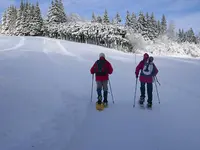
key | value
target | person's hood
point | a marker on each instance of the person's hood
(145, 57)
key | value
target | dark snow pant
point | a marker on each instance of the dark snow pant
(104, 85)
(149, 91)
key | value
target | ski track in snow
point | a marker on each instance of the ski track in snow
(61, 49)
(20, 44)
(47, 52)
(64, 49)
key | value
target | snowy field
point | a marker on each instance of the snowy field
(45, 87)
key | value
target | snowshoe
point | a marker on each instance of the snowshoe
(99, 104)
(99, 107)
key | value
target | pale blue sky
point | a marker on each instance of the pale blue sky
(185, 13)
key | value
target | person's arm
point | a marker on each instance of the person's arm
(138, 68)
(110, 68)
(92, 70)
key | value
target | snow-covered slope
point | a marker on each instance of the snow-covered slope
(45, 87)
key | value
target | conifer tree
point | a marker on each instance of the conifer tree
(128, 19)
(4, 26)
(118, 18)
(37, 21)
(99, 19)
(94, 19)
(163, 25)
(106, 18)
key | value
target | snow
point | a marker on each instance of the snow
(45, 87)
(163, 46)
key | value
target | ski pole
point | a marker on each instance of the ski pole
(157, 80)
(135, 92)
(157, 93)
(92, 86)
(111, 92)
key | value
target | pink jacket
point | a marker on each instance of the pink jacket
(143, 77)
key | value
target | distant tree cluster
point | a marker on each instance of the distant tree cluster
(188, 36)
(101, 30)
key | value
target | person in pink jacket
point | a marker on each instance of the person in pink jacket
(148, 72)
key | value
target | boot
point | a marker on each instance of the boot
(105, 95)
(149, 105)
(141, 101)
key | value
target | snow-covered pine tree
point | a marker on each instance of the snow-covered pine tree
(10, 20)
(190, 36)
(56, 14)
(62, 11)
(152, 27)
(163, 25)
(4, 26)
(142, 26)
(99, 19)
(32, 13)
(198, 38)
(29, 17)
(158, 27)
(117, 20)
(37, 21)
(26, 18)
(133, 22)
(181, 36)
(147, 17)
(14, 18)
(94, 19)
(53, 14)
(18, 26)
(128, 19)
(148, 26)
(106, 19)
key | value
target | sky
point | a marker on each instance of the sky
(184, 13)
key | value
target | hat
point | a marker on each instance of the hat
(101, 55)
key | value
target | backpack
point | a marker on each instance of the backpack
(148, 68)
(101, 70)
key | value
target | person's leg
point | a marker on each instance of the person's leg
(149, 92)
(99, 89)
(142, 90)
(105, 91)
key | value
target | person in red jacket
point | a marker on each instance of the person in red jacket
(102, 68)
(148, 72)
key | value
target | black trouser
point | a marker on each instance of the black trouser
(149, 91)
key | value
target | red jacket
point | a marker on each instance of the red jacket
(107, 67)
(143, 77)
